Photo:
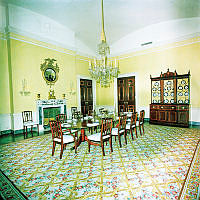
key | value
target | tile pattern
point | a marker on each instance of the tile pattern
(152, 166)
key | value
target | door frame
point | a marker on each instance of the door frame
(79, 92)
(136, 89)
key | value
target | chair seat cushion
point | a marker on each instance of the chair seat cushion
(93, 124)
(66, 139)
(66, 125)
(115, 131)
(97, 137)
(30, 123)
(137, 123)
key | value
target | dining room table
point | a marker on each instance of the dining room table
(86, 123)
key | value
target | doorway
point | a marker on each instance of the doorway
(86, 96)
(126, 94)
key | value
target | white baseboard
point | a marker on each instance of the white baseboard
(5, 119)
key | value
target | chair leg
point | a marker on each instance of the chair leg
(26, 131)
(102, 146)
(61, 151)
(32, 131)
(53, 149)
(75, 146)
(38, 128)
(125, 137)
(136, 132)
(88, 146)
(140, 130)
(143, 128)
(110, 141)
(131, 130)
(119, 138)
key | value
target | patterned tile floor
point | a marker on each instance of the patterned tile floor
(152, 166)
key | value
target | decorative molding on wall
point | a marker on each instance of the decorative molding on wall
(159, 47)
(5, 122)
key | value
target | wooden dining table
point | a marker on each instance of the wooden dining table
(84, 124)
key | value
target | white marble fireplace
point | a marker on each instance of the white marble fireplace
(43, 105)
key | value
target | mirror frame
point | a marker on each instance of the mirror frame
(49, 64)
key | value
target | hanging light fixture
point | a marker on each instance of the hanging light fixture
(102, 70)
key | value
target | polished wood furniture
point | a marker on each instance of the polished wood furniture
(86, 96)
(126, 94)
(132, 124)
(27, 117)
(100, 138)
(59, 138)
(120, 129)
(170, 99)
(61, 117)
(140, 122)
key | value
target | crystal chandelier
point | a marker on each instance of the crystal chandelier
(102, 70)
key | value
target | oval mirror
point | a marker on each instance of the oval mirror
(50, 75)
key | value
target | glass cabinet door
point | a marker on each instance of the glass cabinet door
(168, 92)
(183, 91)
(155, 92)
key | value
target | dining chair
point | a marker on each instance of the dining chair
(61, 117)
(98, 139)
(120, 129)
(140, 123)
(65, 125)
(27, 117)
(132, 125)
(59, 138)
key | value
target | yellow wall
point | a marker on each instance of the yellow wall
(4, 78)
(26, 59)
(180, 56)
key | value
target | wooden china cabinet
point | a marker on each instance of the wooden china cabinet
(170, 99)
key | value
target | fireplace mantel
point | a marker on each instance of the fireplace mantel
(52, 103)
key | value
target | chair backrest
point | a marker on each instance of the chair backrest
(141, 118)
(122, 121)
(56, 129)
(27, 116)
(106, 127)
(74, 112)
(134, 118)
(61, 117)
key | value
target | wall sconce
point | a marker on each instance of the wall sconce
(72, 91)
(24, 91)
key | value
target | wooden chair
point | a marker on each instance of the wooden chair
(140, 123)
(120, 129)
(61, 117)
(75, 113)
(66, 127)
(132, 125)
(59, 138)
(99, 139)
(27, 117)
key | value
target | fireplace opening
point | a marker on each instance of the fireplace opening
(50, 113)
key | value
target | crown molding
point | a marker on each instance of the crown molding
(160, 46)
(45, 43)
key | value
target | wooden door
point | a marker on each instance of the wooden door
(86, 96)
(126, 94)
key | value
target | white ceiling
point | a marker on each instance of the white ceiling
(122, 17)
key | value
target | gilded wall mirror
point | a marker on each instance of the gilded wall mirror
(50, 71)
